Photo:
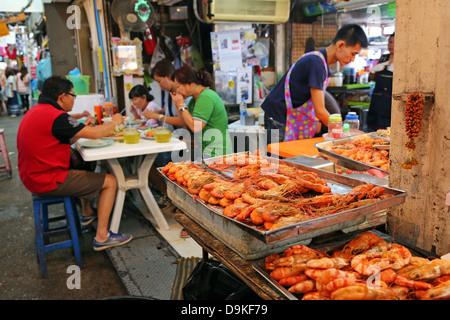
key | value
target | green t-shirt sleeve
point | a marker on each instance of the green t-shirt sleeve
(204, 107)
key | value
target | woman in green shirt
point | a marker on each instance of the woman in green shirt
(205, 114)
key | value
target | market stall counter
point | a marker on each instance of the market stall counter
(288, 149)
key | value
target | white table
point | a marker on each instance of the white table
(147, 148)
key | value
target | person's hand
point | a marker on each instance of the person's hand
(86, 114)
(117, 119)
(177, 99)
(90, 121)
(151, 114)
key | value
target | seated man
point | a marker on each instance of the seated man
(43, 143)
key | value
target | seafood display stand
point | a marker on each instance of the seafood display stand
(251, 242)
(325, 147)
(327, 244)
(241, 268)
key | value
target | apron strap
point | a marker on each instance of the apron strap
(287, 90)
(305, 113)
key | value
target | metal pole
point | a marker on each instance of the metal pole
(105, 74)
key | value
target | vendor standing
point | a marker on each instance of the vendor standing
(296, 104)
(379, 115)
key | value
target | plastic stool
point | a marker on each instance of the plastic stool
(43, 230)
(4, 152)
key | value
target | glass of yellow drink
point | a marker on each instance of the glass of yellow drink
(162, 134)
(131, 135)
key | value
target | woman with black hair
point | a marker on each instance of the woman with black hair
(23, 87)
(10, 92)
(205, 114)
(162, 74)
(143, 104)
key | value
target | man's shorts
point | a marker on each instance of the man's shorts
(79, 183)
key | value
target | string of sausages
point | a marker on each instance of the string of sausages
(413, 124)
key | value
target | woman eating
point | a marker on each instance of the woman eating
(205, 114)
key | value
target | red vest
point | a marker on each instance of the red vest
(42, 159)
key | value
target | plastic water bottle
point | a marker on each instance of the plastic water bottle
(243, 111)
(352, 119)
(346, 130)
(335, 125)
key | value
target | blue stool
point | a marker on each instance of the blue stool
(43, 230)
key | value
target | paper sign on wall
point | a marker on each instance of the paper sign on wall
(244, 84)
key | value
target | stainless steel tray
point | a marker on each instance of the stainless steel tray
(311, 228)
(344, 161)
(328, 245)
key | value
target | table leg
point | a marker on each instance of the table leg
(117, 171)
(141, 184)
(143, 173)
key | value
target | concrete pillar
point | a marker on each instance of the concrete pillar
(422, 48)
(61, 39)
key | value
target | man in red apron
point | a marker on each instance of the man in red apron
(296, 104)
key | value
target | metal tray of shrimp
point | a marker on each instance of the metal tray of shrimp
(324, 149)
(252, 242)
(328, 244)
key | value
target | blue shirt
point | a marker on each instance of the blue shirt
(307, 72)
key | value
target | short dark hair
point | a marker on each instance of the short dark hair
(352, 34)
(163, 68)
(55, 86)
(139, 91)
(9, 72)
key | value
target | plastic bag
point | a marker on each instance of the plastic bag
(43, 71)
(75, 72)
(210, 280)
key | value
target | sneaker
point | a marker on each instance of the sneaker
(164, 202)
(113, 240)
(85, 220)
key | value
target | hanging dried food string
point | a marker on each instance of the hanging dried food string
(413, 124)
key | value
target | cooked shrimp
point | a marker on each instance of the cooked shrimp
(303, 287)
(315, 295)
(405, 282)
(369, 264)
(338, 283)
(363, 242)
(327, 263)
(290, 281)
(431, 270)
(291, 260)
(439, 292)
(361, 292)
(284, 272)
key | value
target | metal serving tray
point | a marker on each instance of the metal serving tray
(252, 242)
(336, 243)
(344, 161)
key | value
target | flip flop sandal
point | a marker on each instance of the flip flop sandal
(184, 234)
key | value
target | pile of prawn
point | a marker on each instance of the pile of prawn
(367, 268)
(263, 197)
(361, 149)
